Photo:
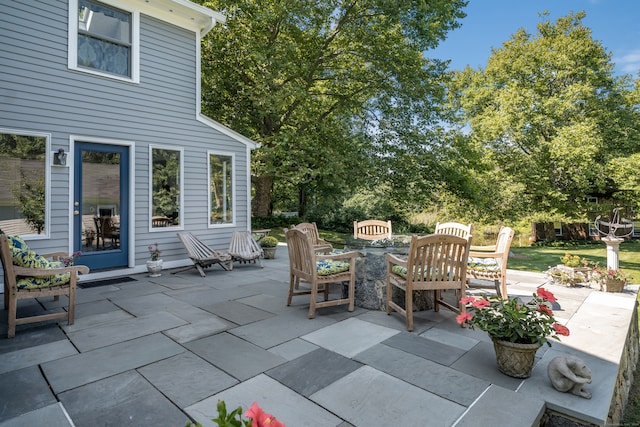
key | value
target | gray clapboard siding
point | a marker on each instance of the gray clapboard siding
(39, 93)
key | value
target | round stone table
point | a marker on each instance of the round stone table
(371, 272)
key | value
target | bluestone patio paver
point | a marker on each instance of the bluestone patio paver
(51, 416)
(277, 330)
(432, 350)
(235, 356)
(74, 371)
(350, 336)
(23, 390)
(449, 338)
(603, 382)
(199, 329)
(274, 398)
(186, 378)
(35, 355)
(31, 337)
(123, 399)
(504, 408)
(293, 349)
(238, 313)
(124, 330)
(313, 371)
(150, 304)
(431, 376)
(368, 397)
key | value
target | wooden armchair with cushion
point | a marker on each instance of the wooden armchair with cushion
(29, 275)
(372, 229)
(319, 270)
(319, 244)
(436, 262)
(490, 262)
(454, 228)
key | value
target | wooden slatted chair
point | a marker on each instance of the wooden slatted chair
(43, 278)
(319, 244)
(454, 228)
(372, 229)
(319, 270)
(490, 262)
(202, 255)
(244, 248)
(436, 262)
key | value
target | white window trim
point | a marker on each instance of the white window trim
(233, 188)
(557, 231)
(47, 179)
(181, 204)
(135, 43)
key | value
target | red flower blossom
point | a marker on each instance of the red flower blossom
(544, 309)
(467, 300)
(463, 317)
(546, 295)
(261, 419)
(561, 330)
(481, 303)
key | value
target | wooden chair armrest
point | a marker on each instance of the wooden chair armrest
(343, 255)
(43, 272)
(489, 248)
(485, 254)
(394, 259)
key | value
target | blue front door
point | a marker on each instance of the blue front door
(101, 205)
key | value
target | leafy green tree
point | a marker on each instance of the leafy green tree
(548, 116)
(325, 86)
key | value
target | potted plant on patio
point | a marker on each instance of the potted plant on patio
(154, 265)
(609, 280)
(517, 329)
(269, 245)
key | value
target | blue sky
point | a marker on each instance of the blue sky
(489, 23)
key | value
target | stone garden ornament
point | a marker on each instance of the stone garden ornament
(614, 232)
(569, 374)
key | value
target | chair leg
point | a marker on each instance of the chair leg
(200, 270)
(292, 283)
(314, 297)
(72, 301)
(436, 298)
(501, 287)
(13, 309)
(408, 308)
(352, 293)
(389, 295)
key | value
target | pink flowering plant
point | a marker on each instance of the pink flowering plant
(154, 252)
(71, 259)
(509, 320)
(256, 417)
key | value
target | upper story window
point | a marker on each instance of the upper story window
(166, 187)
(221, 196)
(23, 183)
(103, 39)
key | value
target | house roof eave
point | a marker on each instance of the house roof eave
(251, 144)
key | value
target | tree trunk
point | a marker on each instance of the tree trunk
(302, 202)
(261, 205)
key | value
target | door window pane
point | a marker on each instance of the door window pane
(22, 183)
(221, 188)
(166, 181)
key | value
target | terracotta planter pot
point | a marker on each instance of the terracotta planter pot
(515, 360)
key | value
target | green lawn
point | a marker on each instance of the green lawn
(538, 258)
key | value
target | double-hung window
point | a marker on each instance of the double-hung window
(166, 187)
(103, 39)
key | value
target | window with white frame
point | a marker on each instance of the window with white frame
(103, 39)
(166, 187)
(221, 194)
(557, 228)
(23, 182)
(636, 228)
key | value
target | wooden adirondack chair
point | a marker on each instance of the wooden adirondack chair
(202, 255)
(243, 248)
